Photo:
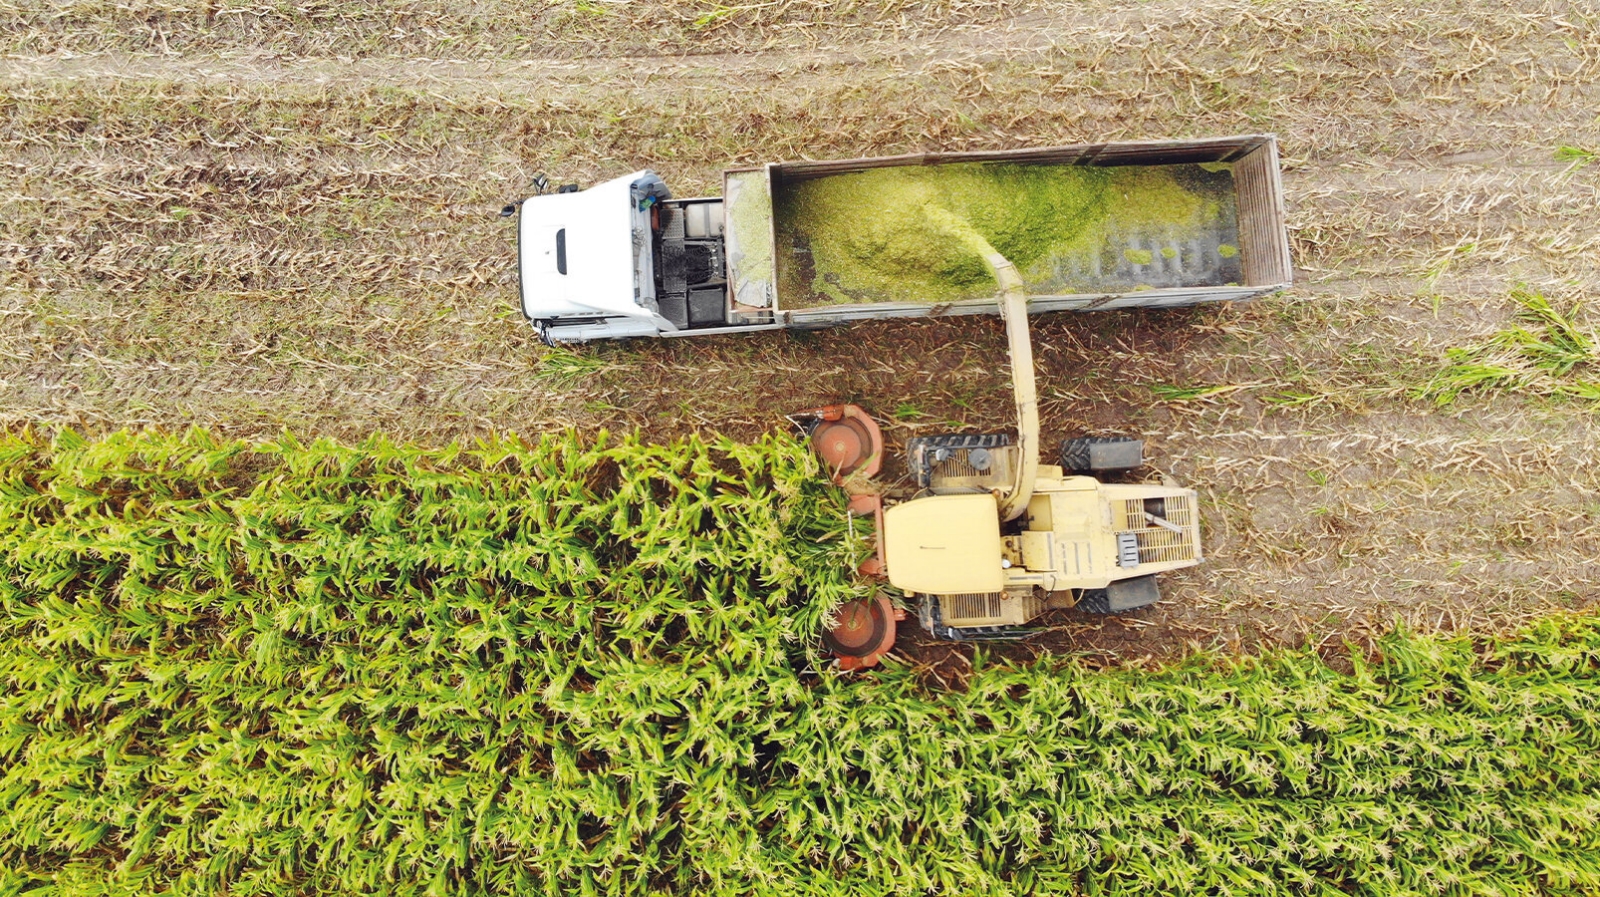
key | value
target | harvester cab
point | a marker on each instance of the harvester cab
(991, 538)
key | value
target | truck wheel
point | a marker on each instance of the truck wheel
(1124, 595)
(1091, 453)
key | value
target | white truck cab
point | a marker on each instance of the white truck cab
(586, 258)
(623, 259)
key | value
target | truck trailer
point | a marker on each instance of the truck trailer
(810, 244)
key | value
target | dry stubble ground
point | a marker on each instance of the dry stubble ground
(255, 217)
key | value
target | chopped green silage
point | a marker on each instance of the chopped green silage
(751, 217)
(589, 667)
(960, 231)
(877, 235)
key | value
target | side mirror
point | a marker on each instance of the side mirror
(509, 210)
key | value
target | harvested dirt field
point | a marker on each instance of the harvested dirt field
(263, 216)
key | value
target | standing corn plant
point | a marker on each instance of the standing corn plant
(588, 666)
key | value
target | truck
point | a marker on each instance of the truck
(811, 244)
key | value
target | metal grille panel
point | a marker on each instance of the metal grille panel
(973, 606)
(957, 466)
(1157, 544)
(989, 609)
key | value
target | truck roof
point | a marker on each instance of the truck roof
(577, 257)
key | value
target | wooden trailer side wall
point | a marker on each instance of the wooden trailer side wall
(1143, 152)
(823, 316)
(1263, 235)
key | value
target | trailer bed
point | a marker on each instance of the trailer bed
(1094, 226)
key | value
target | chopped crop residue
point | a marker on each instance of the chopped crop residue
(884, 234)
(750, 212)
(754, 207)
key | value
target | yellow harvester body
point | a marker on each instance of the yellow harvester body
(1002, 536)
(1076, 534)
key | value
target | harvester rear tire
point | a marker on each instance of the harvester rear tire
(1094, 601)
(1079, 454)
(1120, 597)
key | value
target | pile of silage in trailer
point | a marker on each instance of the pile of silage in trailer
(882, 234)
(589, 668)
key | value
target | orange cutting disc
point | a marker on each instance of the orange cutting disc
(863, 632)
(842, 444)
(847, 440)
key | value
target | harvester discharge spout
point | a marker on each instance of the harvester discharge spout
(1014, 309)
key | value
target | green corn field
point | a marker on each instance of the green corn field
(589, 666)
